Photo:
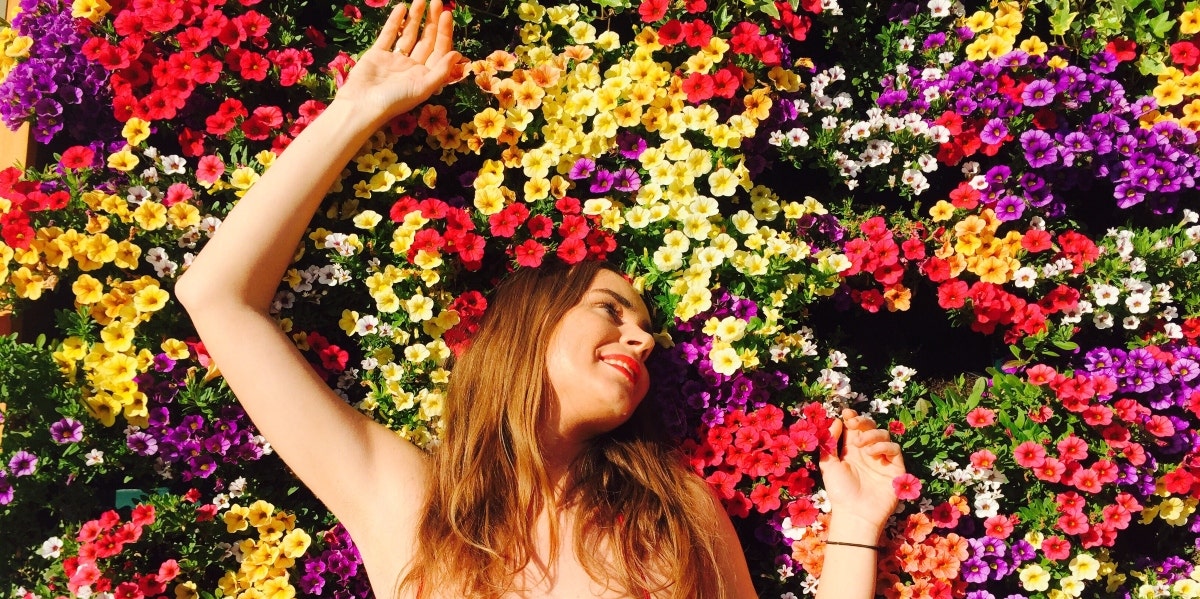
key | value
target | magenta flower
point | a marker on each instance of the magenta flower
(1038, 93)
(22, 463)
(67, 430)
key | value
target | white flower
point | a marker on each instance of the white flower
(1103, 320)
(939, 8)
(1169, 313)
(776, 138)
(94, 457)
(927, 163)
(986, 507)
(1038, 223)
(785, 572)
(820, 500)
(173, 164)
(810, 584)
(907, 44)
(1106, 295)
(1138, 303)
(1131, 322)
(221, 501)
(1193, 233)
(945, 57)
(798, 137)
(51, 548)
(84, 592)
(137, 194)
(837, 359)
(829, 122)
(1137, 265)
(1162, 293)
(1173, 331)
(978, 182)
(237, 487)
(970, 168)
(1025, 277)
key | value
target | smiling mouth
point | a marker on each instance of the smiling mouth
(626, 365)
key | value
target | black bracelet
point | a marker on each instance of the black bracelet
(875, 547)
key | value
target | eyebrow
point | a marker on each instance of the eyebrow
(624, 301)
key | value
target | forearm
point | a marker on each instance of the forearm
(849, 571)
(251, 250)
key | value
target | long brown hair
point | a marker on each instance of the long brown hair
(489, 483)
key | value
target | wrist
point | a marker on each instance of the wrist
(852, 528)
(352, 115)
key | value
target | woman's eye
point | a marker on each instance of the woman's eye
(612, 310)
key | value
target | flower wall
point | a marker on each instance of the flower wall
(976, 222)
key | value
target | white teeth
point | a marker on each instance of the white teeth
(619, 364)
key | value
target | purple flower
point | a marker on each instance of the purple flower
(142, 444)
(993, 132)
(1010, 207)
(974, 570)
(1039, 92)
(630, 145)
(603, 182)
(582, 169)
(6, 489)
(67, 430)
(627, 180)
(1039, 148)
(22, 463)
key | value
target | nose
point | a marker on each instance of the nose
(640, 340)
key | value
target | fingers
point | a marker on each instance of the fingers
(412, 27)
(391, 28)
(435, 22)
(870, 436)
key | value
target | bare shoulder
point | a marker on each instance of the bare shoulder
(731, 559)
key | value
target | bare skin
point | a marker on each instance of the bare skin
(373, 481)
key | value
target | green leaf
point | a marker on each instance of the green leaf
(1066, 345)
(1060, 20)
(977, 392)
(1161, 25)
(769, 9)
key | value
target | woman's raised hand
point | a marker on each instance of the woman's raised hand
(412, 59)
(859, 480)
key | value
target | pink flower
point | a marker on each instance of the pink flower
(907, 487)
(1072, 448)
(1040, 374)
(983, 459)
(998, 526)
(981, 417)
(1030, 454)
(1056, 548)
(209, 169)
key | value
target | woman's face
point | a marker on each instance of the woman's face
(596, 361)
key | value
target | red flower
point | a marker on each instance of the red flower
(143, 515)
(952, 294)
(964, 196)
(1122, 48)
(697, 33)
(1030, 454)
(530, 253)
(76, 157)
(726, 81)
(540, 226)
(698, 87)
(652, 10)
(573, 227)
(572, 250)
(568, 205)
(505, 222)
(1185, 54)
(670, 33)
(998, 526)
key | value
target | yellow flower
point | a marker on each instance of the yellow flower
(367, 219)
(1071, 586)
(150, 215)
(419, 308)
(183, 215)
(103, 407)
(941, 211)
(150, 299)
(1034, 46)
(295, 543)
(980, 21)
(175, 349)
(722, 182)
(126, 255)
(135, 131)
(243, 177)
(87, 289)
(186, 590)
(117, 337)
(259, 513)
(1085, 567)
(1189, 22)
(1168, 93)
(1034, 578)
(725, 359)
(265, 158)
(123, 160)
(92, 10)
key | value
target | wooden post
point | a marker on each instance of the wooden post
(15, 148)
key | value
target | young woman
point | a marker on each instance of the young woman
(551, 479)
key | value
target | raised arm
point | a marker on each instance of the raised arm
(349, 461)
(859, 485)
